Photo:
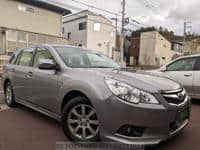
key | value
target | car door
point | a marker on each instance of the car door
(22, 75)
(196, 83)
(44, 82)
(182, 71)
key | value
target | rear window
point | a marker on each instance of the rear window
(197, 65)
(26, 57)
(14, 57)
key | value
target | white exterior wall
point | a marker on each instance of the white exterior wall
(155, 50)
(40, 21)
(162, 50)
(77, 37)
(147, 49)
(103, 41)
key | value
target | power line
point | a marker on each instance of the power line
(149, 4)
(97, 8)
(67, 5)
(79, 15)
(123, 15)
(187, 25)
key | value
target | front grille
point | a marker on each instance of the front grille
(175, 97)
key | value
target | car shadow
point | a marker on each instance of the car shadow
(195, 101)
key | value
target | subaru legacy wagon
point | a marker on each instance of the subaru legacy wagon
(93, 97)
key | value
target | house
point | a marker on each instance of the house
(134, 52)
(177, 46)
(25, 23)
(191, 47)
(90, 30)
(155, 50)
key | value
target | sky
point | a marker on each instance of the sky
(170, 14)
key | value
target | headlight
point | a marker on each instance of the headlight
(129, 93)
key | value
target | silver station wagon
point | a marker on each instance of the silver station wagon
(93, 97)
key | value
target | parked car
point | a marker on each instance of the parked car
(186, 71)
(93, 97)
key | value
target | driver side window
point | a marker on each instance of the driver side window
(182, 65)
(41, 53)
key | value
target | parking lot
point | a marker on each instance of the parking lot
(24, 129)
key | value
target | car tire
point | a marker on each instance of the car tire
(79, 121)
(9, 95)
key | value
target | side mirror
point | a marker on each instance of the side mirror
(163, 69)
(47, 64)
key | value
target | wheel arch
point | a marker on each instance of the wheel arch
(5, 82)
(72, 94)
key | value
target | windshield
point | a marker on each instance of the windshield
(80, 58)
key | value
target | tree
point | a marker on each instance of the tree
(169, 35)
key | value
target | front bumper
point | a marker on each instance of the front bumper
(157, 120)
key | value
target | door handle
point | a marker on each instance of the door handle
(188, 75)
(12, 70)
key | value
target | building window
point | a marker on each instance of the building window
(99, 44)
(69, 35)
(82, 25)
(80, 45)
(112, 34)
(24, 8)
(97, 27)
(63, 30)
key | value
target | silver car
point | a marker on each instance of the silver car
(93, 97)
(186, 71)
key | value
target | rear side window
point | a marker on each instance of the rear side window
(14, 57)
(26, 57)
(197, 64)
(182, 65)
(41, 53)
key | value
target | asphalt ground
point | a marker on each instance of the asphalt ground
(24, 129)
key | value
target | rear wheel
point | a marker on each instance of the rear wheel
(80, 121)
(9, 95)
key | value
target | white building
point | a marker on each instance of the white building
(90, 30)
(155, 50)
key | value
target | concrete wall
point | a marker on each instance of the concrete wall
(103, 40)
(163, 52)
(77, 37)
(147, 48)
(13, 15)
(155, 50)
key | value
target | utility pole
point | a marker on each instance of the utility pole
(122, 39)
(123, 15)
(187, 25)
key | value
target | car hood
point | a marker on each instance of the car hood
(140, 79)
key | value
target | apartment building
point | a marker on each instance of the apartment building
(90, 30)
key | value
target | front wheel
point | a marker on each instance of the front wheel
(9, 95)
(80, 121)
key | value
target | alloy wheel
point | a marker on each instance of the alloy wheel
(9, 94)
(82, 122)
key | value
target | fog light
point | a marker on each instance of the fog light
(131, 131)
